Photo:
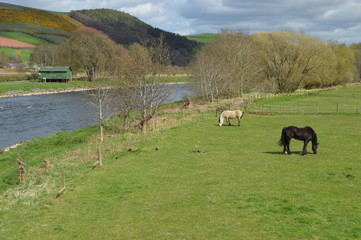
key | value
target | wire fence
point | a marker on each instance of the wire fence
(302, 109)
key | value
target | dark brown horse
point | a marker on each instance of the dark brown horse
(305, 134)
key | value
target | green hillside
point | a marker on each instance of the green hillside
(24, 54)
(202, 38)
(38, 24)
(23, 37)
(189, 179)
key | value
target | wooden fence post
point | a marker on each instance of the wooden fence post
(46, 165)
(62, 190)
(21, 171)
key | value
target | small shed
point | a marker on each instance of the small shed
(55, 74)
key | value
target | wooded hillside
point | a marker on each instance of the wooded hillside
(126, 29)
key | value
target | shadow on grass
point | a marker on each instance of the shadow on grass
(281, 153)
(227, 125)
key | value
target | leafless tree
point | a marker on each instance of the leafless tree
(226, 67)
(145, 78)
(290, 60)
(93, 50)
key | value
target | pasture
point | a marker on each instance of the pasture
(23, 37)
(195, 180)
(24, 53)
(339, 99)
(202, 38)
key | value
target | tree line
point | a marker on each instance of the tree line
(279, 62)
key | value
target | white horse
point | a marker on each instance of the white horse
(230, 115)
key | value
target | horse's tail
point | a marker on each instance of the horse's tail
(283, 139)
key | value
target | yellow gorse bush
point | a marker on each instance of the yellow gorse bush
(43, 18)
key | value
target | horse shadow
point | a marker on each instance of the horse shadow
(233, 125)
(281, 153)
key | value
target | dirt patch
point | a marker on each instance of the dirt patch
(8, 42)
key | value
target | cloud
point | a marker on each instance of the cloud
(326, 19)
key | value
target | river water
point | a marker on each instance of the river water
(28, 117)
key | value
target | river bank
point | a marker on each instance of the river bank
(37, 91)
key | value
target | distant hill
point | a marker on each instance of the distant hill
(36, 26)
(44, 25)
(126, 29)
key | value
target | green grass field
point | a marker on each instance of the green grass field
(195, 180)
(202, 38)
(23, 37)
(344, 100)
(24, 53)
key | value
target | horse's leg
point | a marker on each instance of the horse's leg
(288, 146)
(239, 121)
(229, 121)
(304, 150)
(288, 149)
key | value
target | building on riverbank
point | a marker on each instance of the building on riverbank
(55, 74)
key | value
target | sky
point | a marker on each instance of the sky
(338, 20)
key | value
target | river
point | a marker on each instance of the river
(28, 117)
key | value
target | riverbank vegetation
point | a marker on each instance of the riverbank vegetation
(188, 178)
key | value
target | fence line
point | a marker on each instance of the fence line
(302, 109)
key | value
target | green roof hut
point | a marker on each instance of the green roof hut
(55, 74)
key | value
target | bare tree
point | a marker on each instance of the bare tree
(345, 63)
(92, 49)
(45, 54)
(290, 60)
(226, 67)
(145, 77)
(357, 51)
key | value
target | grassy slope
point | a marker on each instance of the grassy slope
(23, 37)
(203, 182)
(25, 53)
(202, 38)
(16, 30)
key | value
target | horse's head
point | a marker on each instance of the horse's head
(314, 148)
(220, 121)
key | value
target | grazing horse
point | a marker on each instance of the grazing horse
(305, 134)
(230, 115)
